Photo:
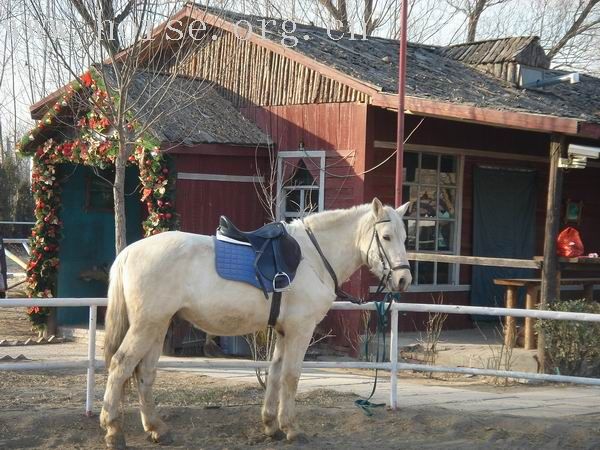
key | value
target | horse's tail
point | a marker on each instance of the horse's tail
(116, 322)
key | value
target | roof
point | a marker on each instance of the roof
(521, 49)
(441, 81)
(178, 109)
(433, 72)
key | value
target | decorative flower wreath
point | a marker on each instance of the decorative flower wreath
(157, 185)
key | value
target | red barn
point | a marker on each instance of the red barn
(476, 162)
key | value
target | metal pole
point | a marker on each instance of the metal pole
(394, 361)
(91, 367)
(401, 94)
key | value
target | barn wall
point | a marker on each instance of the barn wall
(337, 128)
(341, 130)
(200, 203)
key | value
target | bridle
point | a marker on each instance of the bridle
(388, 269)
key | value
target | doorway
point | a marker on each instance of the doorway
(504, 203)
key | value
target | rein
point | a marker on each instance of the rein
(388, 269)
(365, 404)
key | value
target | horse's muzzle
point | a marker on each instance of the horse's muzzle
(401, 279)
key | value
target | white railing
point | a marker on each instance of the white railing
(394, 366)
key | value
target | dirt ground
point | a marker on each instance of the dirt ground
(15, 325)
(45, 411)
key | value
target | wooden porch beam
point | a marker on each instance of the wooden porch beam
(550, 290)
(475, 114)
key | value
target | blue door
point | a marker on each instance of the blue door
(88, 236)
(503, 227)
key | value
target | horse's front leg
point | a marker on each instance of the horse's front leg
(296, 342)
(269, 410)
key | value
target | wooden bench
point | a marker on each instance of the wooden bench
(532, 286)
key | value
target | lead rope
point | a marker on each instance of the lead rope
(365, 404)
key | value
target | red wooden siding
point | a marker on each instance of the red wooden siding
(341, 130)
(200, 203)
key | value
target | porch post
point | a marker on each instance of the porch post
(401, 94)
(550, 290)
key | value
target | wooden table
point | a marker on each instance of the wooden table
(531, 300)
(581, 263)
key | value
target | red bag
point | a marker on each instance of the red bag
(569, 243)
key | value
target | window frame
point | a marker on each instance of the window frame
(299, 154)
(454, 274)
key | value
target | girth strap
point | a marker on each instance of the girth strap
(275, 307)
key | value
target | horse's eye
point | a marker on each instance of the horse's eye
(386, 237)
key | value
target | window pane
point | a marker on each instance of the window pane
(427, 201)
(411, 163)
(411, 232)
(292, 200)
(446, 236)
(426, 272)
(427, 235)
(413, 271)
(410, 194)
(448, 170)
(443, 273)
(429, 169)
(311, 200)
(447, 203)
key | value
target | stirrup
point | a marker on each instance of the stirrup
(286, 277)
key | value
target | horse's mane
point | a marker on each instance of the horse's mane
(325, 219)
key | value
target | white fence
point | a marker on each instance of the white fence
(393, 366)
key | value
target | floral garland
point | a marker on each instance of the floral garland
(157, 185)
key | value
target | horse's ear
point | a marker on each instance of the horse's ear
(403, 209)
(377, 207)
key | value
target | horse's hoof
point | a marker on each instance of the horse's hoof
(115, 442)
(297, 437)
(162, 439)
(277, 435)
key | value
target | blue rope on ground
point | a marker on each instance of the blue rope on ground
(365, 404)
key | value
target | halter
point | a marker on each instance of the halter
(388, 269)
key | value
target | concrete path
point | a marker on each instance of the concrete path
(547, 400)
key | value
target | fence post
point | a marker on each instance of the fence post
(394, 359)
(89, 398)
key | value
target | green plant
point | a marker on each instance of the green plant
(572, 348)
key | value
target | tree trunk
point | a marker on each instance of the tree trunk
(473, 18)
(119, 198)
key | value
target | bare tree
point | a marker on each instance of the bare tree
(117, 31)
(576, 28)
(338, 12)
(473, 9)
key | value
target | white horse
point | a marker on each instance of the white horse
(174, 273)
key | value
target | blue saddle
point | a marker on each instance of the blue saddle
(266, 258)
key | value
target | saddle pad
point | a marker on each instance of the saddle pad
(236, 262)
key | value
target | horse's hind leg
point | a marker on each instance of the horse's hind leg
(145, 374)
(135, 345)
(269, 410)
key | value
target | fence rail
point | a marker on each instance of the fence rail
(393, 366)
(475, 260)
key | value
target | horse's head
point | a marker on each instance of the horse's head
(382, 245)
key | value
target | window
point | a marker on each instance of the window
(300, 184)
(99, 190)
(431, 183)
